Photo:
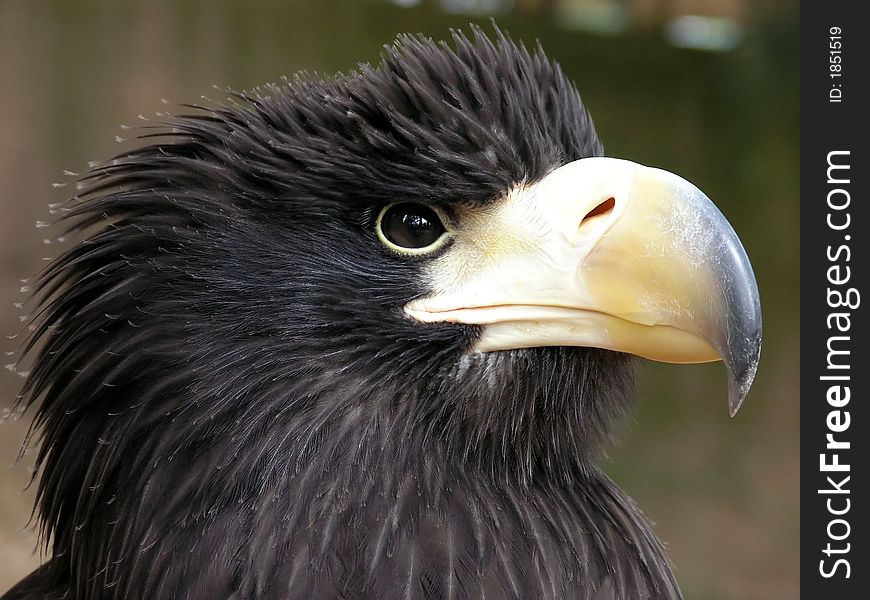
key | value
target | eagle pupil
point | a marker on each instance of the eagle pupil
(410, 225)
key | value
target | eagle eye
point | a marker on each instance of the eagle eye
(411, 228)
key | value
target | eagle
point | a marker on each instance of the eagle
(367, 337)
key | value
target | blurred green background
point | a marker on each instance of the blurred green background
(705, 88)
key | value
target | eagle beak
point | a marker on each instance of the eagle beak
(609, 254)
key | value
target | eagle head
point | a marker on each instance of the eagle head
(290, 309)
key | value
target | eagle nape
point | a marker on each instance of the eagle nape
(366, 337)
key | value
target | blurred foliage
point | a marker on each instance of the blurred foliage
(723, 492)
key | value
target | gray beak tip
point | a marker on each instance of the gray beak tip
(741, 376)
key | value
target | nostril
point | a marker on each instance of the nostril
(602, 210)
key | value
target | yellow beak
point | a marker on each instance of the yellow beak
(610, 254)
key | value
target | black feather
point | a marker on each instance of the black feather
(231, 404)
